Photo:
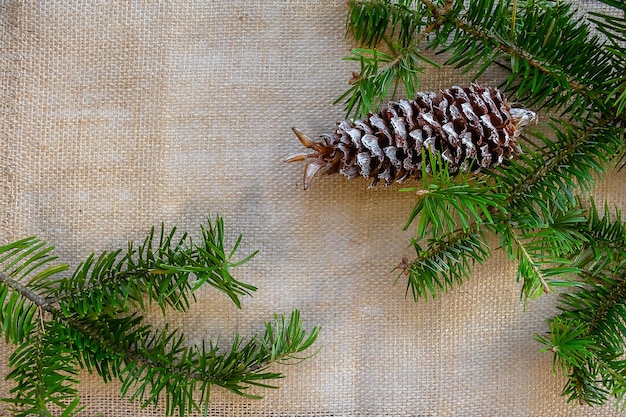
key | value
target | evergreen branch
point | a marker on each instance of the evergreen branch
(443, 204)
(444, 200)
(86, 322)
(570, 344)
(441, 209)
(540, 244)
(378, 72)
(601, 374)
(23, 257)
(573, 350)
(537, 39)
(104, 343)
(447, 261)
(533, 201)
(541, 241)
(405, 22)
(24, 264)
(562, 235)
(605, 240)
(164, 366)
(535, 281)
(536, 265)
(551, 174)
(369, 22)
(167, 271)
(594, 317)
(541, 223)
(17, 309)
(544, 72)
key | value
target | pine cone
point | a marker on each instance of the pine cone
(469, 127)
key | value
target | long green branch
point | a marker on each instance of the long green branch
(545, 67)
(552, 163)
(57, 314)
(516, 51)
(515, 193)
(442, 15)
(118, 350)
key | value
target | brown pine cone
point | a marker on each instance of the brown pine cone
(469, 127)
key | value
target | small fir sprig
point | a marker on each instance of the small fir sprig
(588, 338)
(92, 320)
(533, 203)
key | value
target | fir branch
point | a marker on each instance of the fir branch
(534, 216)
(446, 262)
(543, 244)
(536, 265)
(443, 203)
(446, 200)
(369, 22)
(540, 221)
(161, 365)
(570, 344)
(543, 73)
(605, 236)
(27, 260)
(167, 271)
(373, 22)
(87, 321)
(531, 207)
(156, 365)
(551, 174)
(537, 41)
(378, 72)
(592, 318)
(16, 313)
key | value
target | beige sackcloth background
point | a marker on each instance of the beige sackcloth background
(117, 115)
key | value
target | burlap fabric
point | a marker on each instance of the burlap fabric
(118, 115)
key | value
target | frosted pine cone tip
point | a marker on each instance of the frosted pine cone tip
(469, 127)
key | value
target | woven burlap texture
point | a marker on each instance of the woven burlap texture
(118, 115)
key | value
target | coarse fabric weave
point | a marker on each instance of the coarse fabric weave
(117, 115)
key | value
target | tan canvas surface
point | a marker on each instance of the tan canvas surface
(118, 115)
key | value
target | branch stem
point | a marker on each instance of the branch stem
(441, 246)
(41, 302)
